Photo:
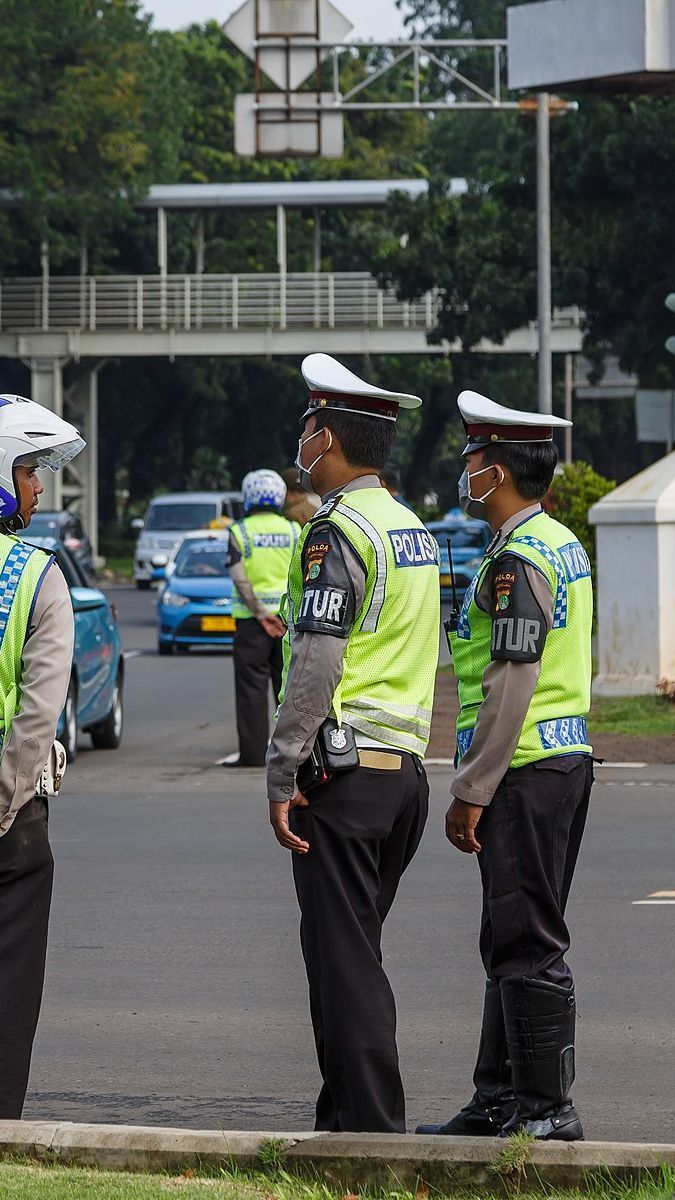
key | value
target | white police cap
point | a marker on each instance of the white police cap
(333, 386)
(486, 423)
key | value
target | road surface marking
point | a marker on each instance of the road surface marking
(653, 901)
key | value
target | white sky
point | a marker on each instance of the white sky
(372, 19)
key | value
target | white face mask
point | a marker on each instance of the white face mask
(306, 472)
(470, 505)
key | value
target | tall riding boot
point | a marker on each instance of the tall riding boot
(493, 1102)
(539, 1018)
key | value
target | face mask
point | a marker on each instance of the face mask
(306, 472)
(470, 505)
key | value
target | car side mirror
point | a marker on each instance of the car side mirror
(138, 523)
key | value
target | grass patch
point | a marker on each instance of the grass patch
(32, 1181)
(639, 716)
(123, 566)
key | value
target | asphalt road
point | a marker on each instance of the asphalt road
(175, 989)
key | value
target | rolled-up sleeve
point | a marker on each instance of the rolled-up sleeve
(45, 674)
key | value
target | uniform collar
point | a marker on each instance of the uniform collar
(502, 535)
(354, 485)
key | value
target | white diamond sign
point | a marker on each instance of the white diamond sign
(286, 24)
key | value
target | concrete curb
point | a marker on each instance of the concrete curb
(344, 1161)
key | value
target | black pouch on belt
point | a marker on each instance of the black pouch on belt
(334, 750)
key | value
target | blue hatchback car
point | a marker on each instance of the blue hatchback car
(469, 539)
(94, 702)
(195, 608)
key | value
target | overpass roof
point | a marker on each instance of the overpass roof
(329, 193)
(322, 193)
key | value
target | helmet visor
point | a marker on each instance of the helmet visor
(58, 456)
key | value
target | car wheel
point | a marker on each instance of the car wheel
(165, 648)
(143, 585)
(70, 722)
(108, 735)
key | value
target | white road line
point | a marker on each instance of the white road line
(132, 654)
(653, 902)
(622, 766)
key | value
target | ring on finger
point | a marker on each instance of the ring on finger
(461, 837)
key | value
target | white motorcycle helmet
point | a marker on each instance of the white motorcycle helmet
(29, 431)
(263, 489)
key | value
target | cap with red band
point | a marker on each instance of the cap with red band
(486, 423)
(333, 386)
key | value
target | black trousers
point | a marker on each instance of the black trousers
(26, 871)
(363, 829)
(258, 661)
(530, 836)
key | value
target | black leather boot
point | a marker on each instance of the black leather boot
(539, 1019)
(493, 1102)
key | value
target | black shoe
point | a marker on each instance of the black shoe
(493, 1103)
(478, 1118)
(539, 1019)
(562, 1125)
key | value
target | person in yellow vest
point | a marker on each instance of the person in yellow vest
(260, 552)
(521, 649)
(345, 781)
(36, 644)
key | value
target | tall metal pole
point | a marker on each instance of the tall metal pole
(569, 401)
(544, 253)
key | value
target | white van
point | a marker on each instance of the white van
(168, 519)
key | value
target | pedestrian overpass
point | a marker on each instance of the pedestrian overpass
(50, 321)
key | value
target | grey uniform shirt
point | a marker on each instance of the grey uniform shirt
(315, 668)
(508, 686)
(45, 674)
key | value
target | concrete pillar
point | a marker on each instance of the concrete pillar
(636, 583)
(46, 378)
(82, 482)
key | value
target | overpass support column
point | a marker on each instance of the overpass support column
(46, 380)
(82, 481)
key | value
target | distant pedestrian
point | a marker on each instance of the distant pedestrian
(390, 478)
(36, 646)
(521, 650)
(300, 505)
(260, 552)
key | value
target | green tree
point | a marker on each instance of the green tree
(91, 110)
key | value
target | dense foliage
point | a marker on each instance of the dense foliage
(95, 105)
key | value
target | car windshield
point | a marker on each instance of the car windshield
(44, 526)
(462, 539)
(202, 559)
(181, 516)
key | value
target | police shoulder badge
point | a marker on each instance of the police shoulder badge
(315, 556)
(338, 739)
(503, 583)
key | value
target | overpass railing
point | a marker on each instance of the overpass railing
(208, 302)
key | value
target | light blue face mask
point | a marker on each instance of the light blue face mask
(470, 505)
(306, 472)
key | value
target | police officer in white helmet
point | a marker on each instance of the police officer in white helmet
(261, 548)
(36, 643)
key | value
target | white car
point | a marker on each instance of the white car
(167, 521)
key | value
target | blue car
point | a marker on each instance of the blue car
(195, 607)
(94, 702)
(469, 540)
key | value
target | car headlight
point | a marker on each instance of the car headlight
(174, 599)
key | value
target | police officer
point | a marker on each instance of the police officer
(522, 656)
(36, 643)
(260, 551)
(363, 615)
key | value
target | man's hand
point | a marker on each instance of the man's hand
(461, 821)
(279, 822)
(273, 626)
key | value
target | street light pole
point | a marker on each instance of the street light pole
(545, 362)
